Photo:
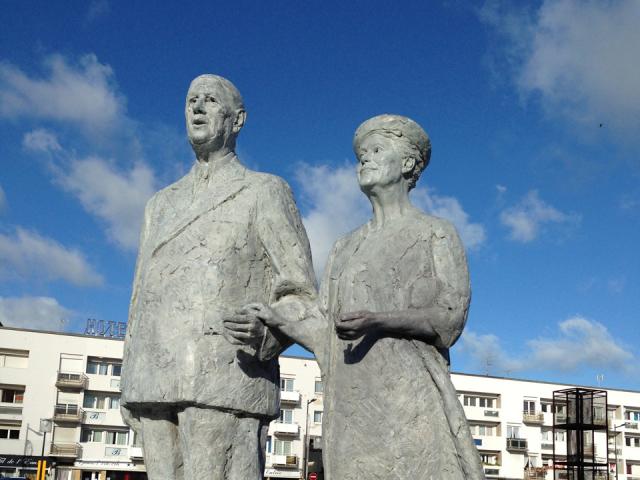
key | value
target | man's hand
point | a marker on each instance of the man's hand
(243, 328)
(265, 313)
(353, 325)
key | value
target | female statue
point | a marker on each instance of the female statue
(394, 298)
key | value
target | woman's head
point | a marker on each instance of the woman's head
(409, 140)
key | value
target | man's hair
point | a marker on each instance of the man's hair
(413, 140)
(231, 97)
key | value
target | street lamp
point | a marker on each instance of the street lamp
(615, 443)
(45, 427)
(306, 440)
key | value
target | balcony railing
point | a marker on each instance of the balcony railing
(136, 453)
(517, 444)
(287, 461)
(72, 450)
(535, 473)
(289, 397)
(67, 412)
(286, 428)
(532, 417)
(72, 380)
(491, 413)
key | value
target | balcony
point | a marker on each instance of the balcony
(67, 412)
(546, 446)
(535, 473)
(491, 413)
(136, 453)
(287, 461)
(518, 445)
(285, 428)
(289, 397)
(532, 417)
(72, 380)
(69, 450)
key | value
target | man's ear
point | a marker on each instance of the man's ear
(408, 165)
(241, 116)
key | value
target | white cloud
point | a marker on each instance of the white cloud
(337, 206)
(117, 197)
(27, 254)
(488, 354)
(579, 343)
(580, 57)
(473, 234)
(83, 94)
(40, 313)
(527, 218)
(41, 140)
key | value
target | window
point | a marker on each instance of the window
(489, 458)
(545, 407)
(469, 401)
(281, 447)
(101, 401)
(483, 430)
(12, 395)
(286, 416)
(529, 407)
(98, 366)
(318, 388)
(546, 435)
(487, 402)
(14, 358)
(286, 384)
(268, 449)
(632, 416)
(560, 436)
(632, 441)
(317, 416)
(513, 431)
(10, 432)
(110, 437)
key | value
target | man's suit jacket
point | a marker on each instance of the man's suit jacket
(208, 247)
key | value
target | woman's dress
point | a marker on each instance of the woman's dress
(392, 412)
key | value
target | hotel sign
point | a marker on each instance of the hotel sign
(105, 328)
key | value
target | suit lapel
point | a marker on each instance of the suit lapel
(181, 208)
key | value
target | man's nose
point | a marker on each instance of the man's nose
(198, 105)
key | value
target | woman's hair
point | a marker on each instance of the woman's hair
(413, 140)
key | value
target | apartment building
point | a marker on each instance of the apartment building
(61, 399)
(70, 383)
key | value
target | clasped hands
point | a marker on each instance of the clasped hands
(248, 325)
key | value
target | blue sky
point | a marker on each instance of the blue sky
(533, 111)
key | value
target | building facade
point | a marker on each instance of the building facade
(60, 399)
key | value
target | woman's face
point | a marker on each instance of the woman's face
(379, 162)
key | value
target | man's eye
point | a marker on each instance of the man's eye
(211, 99)
(192, 100)
(376, 150)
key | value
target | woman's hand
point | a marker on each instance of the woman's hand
(353, 325)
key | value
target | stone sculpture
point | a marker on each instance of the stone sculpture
(199, 394)
(394, 298)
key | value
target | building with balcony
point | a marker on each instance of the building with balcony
(73, 382)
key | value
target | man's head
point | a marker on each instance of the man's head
(409, 137)
(215, 114)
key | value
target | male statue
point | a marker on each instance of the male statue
(199, 394)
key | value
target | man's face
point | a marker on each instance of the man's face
(209, 118)
(379, 162)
